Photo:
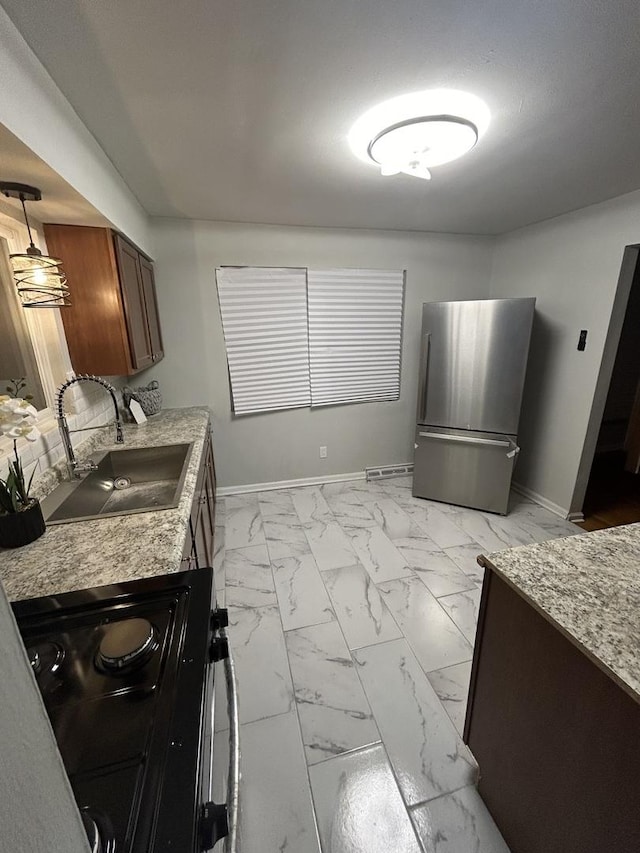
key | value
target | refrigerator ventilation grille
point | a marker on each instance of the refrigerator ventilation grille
(388, 471)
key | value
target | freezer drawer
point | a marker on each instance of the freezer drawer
(462, 467)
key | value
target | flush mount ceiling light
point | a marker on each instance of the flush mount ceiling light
(40, 279)
(412, 133)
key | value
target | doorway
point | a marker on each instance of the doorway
(613, 490)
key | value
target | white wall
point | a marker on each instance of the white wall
(37, 809)
(572, 265)
(284, 445)
(35, 110)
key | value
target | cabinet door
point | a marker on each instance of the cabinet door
(210, 486)
(151, 305)
(199, 548)
(189, 558)
(94, 324)
(134, 303)
(203, 538)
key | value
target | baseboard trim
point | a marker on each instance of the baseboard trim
(223, 491)
(556, 509)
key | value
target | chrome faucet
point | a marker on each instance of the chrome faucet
(76, 468)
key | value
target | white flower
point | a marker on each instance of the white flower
(28, 431)
(16, 405)
(17, 418)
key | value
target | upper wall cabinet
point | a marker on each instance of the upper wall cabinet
(112, 326)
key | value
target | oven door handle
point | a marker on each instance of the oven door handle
(220, 821)
(233, 785)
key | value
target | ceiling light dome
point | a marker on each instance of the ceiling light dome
(412, 133)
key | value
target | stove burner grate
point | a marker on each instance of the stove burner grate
(93, 833)
(45, 658)
(99, 831)
(126, 645)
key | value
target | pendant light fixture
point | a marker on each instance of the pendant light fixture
(413, 133)
(40, 279)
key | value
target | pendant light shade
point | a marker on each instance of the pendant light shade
(40, 279)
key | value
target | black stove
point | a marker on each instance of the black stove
(127, 675)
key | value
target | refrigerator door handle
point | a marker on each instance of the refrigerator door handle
(440, 436)
(422, 378)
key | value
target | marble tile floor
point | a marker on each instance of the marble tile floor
(353, 609)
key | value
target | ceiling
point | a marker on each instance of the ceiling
(239, 110)
(60, 201)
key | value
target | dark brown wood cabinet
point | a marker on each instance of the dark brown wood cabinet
(556, 738)
(199, 546)
(112, 326)
(148, 281)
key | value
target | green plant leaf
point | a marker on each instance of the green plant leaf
(14, 492)
(16, 476)
(29, 484)
(5, 497)
(13, 495)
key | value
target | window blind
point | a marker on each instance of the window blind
(355, 334)
(264, 319)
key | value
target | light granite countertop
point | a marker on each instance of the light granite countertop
(111, 550)
(588, 586)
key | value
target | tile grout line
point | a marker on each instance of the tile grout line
(446, 710)
(408, 807)
(351, 651)
(337, 621)
(364, 692)
(402, 798)
(384, 604)
(352, 751)
(373, 716)
(384, 746)
(295, 701)
(422, 803)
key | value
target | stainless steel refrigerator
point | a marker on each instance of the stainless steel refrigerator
(472, 367)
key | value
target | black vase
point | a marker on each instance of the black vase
(20, 528)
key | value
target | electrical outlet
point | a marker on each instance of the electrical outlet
(323, 453)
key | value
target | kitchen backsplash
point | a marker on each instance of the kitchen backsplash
(87, 405)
